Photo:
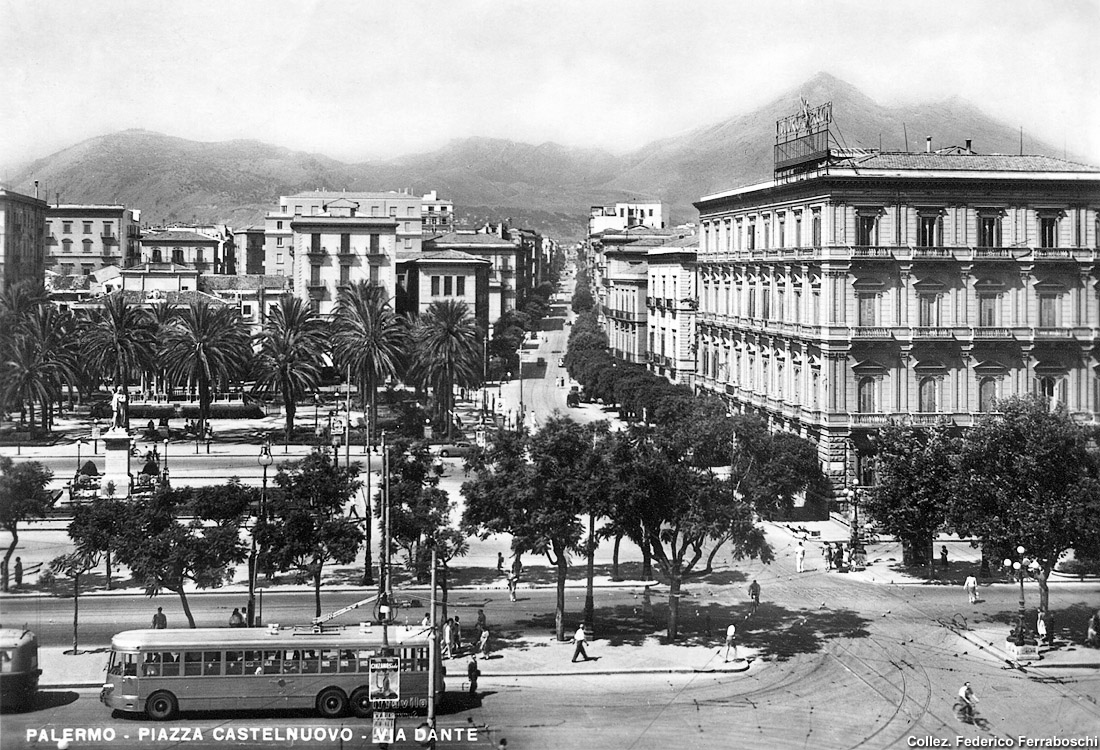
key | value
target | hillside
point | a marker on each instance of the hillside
(546, 187)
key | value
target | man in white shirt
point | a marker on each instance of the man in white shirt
(731, 641)
(579, 639)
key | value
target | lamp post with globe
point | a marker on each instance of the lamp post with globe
(264, 460)
(1020, 566)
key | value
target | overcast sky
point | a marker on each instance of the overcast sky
(357, 80)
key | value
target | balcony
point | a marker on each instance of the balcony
(933, 332)
(868, 251)
(316, 252)
(988, 333)
(1052, 333)
(871, 333)
(109, 238)
(932, 253)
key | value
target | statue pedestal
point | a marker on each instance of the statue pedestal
(1023, 652)
(116, 463)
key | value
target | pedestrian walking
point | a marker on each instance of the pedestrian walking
(800, 558)
(236, 620)
(754, 595)
(500, 562)
(943, 556)
(827, 553)
(731, 641)
(18, 572)
(456, 634)
(1041, 626)
(517, 567)
(427, 621)
(472, 673)
(838, 557)
(448, 626)
(511, 588)
(480, 625)
(579, 639)
(483, 643)
(971, 586)
(160, 621)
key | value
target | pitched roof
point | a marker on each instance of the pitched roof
(485, 240)
(169, 267)
(185, 297)
(219, 283)
(453, 256)
(970, 162)
(178, 235)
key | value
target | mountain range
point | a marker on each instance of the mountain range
(547, 187)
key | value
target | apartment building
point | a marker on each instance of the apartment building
(505, 265)
(82, 238)
(22, 238)
(201, 252)
(437, 214)
(436, 275)
(396, 216)
(647, 212)
(670, 309)
(870, 286)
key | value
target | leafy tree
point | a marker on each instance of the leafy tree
(683, 514)
(75, 564)
(418, 507)
(23, 496)
(119, 341)
(1026, 478)
(915, 469)
(370, 338)
(291, 346)
(165, 553)
(95, 527)
(208, 344)
(534, 489)
(449, 543)
(446, 353)
(306, 525)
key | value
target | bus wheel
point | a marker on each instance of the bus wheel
(332, 703)
(162, 706)
(360, 703)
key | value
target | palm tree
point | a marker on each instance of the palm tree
(162, 314)
(208, 345)
(292, 343)
(118, 342)
(40, 361)
(446, 353)
(369, 338)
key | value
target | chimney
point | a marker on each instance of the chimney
(928, 145)
(968, 142)
(36, 189)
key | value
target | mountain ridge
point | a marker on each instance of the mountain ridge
(545, 186)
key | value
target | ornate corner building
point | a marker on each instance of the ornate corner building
(863, 286)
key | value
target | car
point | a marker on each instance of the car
(561, 361)
(446, 450)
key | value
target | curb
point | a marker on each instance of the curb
(972, 637)
(493, 675)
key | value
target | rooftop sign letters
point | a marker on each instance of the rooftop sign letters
(803, 137)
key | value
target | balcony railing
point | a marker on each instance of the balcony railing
(991, 332)
(871, 332)
(1052, 333)
(933, 332)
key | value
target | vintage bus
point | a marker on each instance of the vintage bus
(330, 669)
(19, 670)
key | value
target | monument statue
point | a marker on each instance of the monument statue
(118, 409)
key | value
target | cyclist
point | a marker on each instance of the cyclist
(967, 700)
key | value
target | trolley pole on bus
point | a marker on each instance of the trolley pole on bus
(384, 598)
(433, 654)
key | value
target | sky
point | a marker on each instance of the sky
(357, 80)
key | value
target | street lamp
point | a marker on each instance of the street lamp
(1020, 566)
(165, 455)
(335, 450)
(264, 460)
(79, 443)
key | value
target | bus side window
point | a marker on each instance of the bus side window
(273, 662)
(253, 662)
(309, 661)
(347, 661)
(364, 659)
(170, 664)
(234, 664)
(5, 660)
(212, 662)
(130, 666)
(151, 667)
(192, 663)
(290, 662)
(329, 656)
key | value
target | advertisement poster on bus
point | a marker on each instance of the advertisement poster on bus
(385, 680)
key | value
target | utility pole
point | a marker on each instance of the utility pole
(433, 653)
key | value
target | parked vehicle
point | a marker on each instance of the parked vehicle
(19, 670)
(446, 450)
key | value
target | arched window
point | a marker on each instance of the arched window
(928, 392)
(867, 395)
(987, 394)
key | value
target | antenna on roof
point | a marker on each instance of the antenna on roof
(1021, 140)
(906, 134)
